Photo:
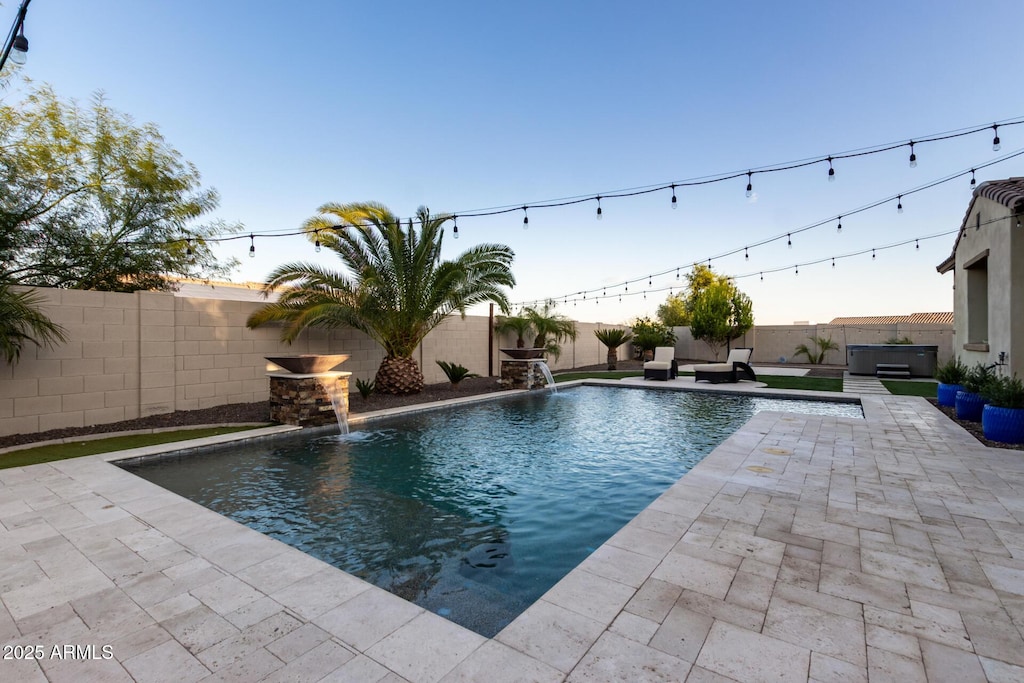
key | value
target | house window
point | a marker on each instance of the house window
(977, 299)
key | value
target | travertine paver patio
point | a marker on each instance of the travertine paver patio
(803, 548)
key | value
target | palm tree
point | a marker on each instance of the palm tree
(518, 324)
(397, 288)
(21, 321)
(551, 328)
(822, 345)
(613, 338)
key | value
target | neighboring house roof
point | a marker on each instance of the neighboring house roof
(1009, 193)
(230, 291)
(914, 318)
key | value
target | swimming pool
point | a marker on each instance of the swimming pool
(476, 511)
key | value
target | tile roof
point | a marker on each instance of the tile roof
(945, 318)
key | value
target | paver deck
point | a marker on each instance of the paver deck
(803, 548)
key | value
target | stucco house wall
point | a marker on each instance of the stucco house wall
(987, 266)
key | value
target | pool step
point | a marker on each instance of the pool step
(892, 370)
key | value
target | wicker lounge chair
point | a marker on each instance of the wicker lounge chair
(664, 365)
(732, 370)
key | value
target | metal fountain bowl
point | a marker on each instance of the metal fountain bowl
(308, 363)
(523, 354)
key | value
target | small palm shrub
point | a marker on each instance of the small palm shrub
(977, 377)
(901, 340)
(454, 372)
(613, 339)
(365, 387)
(1004, 392)
(822, 345)
(952, 371)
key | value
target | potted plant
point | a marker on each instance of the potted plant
(613, 338)
(1003, 417)
(969, 401)
(951, 380)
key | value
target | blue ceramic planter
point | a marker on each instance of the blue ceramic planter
(969, 406)
(1003, 424)
(947, 394)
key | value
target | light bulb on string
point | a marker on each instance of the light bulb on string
(913, 156)
(789, 241)
(746, 254)
(973, 181)
(750, 185)
(649, 280)
(872, 254)
(526, 220)
(833, 261)
(252, 246)
(677, 273)
(831, 171)
(917, 244)
(899, 204)
(316, 246)
(796, 270)
(599, 212)
(455, 227)
(762, 277)
(995, 140)
(839, 225)
(675, 204)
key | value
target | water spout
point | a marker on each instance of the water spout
(338, 402)
(546, 371)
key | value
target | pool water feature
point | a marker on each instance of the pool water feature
(473, 512)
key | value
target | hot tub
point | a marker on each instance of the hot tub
(863, 359)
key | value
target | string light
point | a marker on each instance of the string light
(917, 244)
(762, 277)
(252, 246)
(913, 157)
(746, 254)
(188, 247)
(675, 204)
(831, 171)
(750, 185)
(872, 254)
(995, 140)
(649, 280)
(316, 247)
(973, 181)
(677, 273)
(796, 270)
(526, 219)
(789, 242)
(598, 207)
(899, 204)
(833, 261)
(839, 225)
(455, 227)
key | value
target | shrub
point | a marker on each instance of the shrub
(952, 371)
(649, 334)
(977, 377)
(901, 340)
(1004, 392)
(822, 345)
(455, 373)
(365, 387)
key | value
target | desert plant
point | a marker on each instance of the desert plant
(454, 372)
(952, 371)
(22, 321)
(551, 328)
(520, 325)
(365, 387)
(977, 377)
(613, 338)
(1004, 392)
(822, 345)
(901, 340)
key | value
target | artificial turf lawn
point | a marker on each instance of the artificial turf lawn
(63, 451)
(904, 388)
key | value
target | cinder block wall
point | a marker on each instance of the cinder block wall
(146, 353)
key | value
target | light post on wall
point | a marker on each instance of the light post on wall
(16, 45)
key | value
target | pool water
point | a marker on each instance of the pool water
(473, 512)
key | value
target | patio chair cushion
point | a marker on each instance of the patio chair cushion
(663, 366)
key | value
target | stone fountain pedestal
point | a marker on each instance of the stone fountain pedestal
(522, 374)
(303, 399)
(300, 394)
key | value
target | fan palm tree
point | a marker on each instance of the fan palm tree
(516, 324)
(21, 321)
(397, 288)
(613, 338)
(551, 328)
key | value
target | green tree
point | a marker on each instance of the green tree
(673, 312)
(22, 321)
(551, 328)
(89, 200)
(650, 334)
(397, 287)
(721, 313)
(613, 338)
(518, 325)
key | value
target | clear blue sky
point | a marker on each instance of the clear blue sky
(466, 105)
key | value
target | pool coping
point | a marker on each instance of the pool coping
(202, 586)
